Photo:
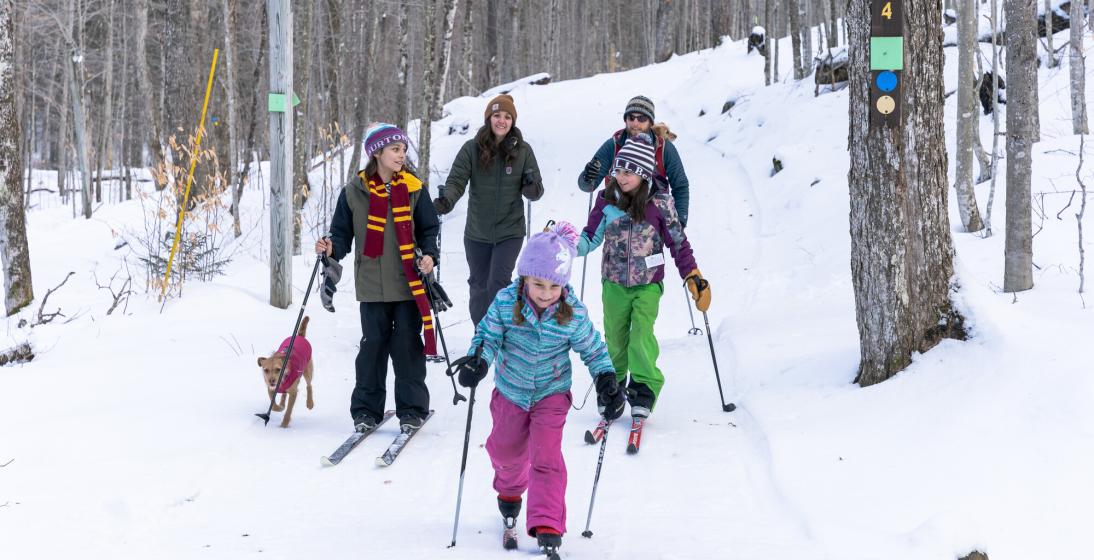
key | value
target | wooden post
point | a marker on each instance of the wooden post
(281, 151)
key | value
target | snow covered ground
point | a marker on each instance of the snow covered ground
(132, 435)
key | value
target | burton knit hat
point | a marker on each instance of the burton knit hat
(550, 254)
(503, 102)
(637, 157)
(382, 134)
(639, 104)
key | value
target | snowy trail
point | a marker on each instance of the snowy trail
(133, 435)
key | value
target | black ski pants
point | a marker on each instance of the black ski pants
(490, 267)
(390, 329)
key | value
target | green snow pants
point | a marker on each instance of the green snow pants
(629, 314)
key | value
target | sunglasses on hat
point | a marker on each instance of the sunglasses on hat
(637, 117)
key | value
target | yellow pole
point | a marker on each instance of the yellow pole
(190, 177)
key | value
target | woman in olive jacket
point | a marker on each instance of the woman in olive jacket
(501, 168)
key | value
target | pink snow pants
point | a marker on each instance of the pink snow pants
(525, 448)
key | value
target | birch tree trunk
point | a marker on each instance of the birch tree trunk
(402, 111)
(968, 125)
(1048, 32)
(107, 123)
(994, 115)
(1021, 39)
(1077, 64)
(901, 251)
(79, 128)
(441, 88)
(769, 40)
(435, 82)
(807, 38)
(794, 14)
(1035, 106)
(229, 79)
(18, 289)
(468, 46)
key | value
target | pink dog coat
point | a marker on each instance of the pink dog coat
(301, 355)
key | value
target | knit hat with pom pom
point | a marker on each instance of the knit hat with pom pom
(550, 254)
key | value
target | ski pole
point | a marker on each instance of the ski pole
(463, 462)
(694, 330)
(700, 285)
(440, 230)
(596, 480)
(528, 226)
(288, 351)
(434, 297)
(585, 262)
(456, 396)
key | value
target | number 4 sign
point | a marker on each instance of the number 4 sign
(887, 18)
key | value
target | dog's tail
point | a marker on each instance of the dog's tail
(303, 327)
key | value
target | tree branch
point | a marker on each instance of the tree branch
(44, 318)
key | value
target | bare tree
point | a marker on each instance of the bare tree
(1021, 42)
(301, 128)
(1077, 63)
(994, 115)
(1048, 32)
(1082, 201)
(435, 82)
(806, 32)
(901, 251)
(833, 30)
(664, 29)
(228, 79)
(18, 289)
(793, 7)
(968, 126)
(144, 83)
(244, 174)
(402, 112)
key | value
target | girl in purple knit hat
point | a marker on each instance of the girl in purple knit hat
(384, 214)
(527, 333)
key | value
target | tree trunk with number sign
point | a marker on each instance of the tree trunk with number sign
(901, 251)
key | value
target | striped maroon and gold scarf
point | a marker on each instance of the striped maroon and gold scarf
(397, 192)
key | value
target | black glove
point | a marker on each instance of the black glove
(441, 302)
(609, 399)
(469, 370)
(592, 172)
(531, 186)
(332, 273)
(442, 205)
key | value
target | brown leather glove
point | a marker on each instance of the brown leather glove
(700, 290)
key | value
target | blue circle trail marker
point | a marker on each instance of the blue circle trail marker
(886, 62)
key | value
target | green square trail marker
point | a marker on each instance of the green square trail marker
(886, 53)
(277, 103)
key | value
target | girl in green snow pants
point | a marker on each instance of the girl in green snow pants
(634, 218)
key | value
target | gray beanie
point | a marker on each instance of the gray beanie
(639, 104)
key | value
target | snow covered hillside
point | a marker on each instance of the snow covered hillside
(132, 435)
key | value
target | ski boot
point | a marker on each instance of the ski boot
(510, 509)
(549, 541)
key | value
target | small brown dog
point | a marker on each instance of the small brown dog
(300, 365)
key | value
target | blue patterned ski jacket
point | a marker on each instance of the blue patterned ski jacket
(532, 360)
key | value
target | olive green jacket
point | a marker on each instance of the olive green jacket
(495, 210)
